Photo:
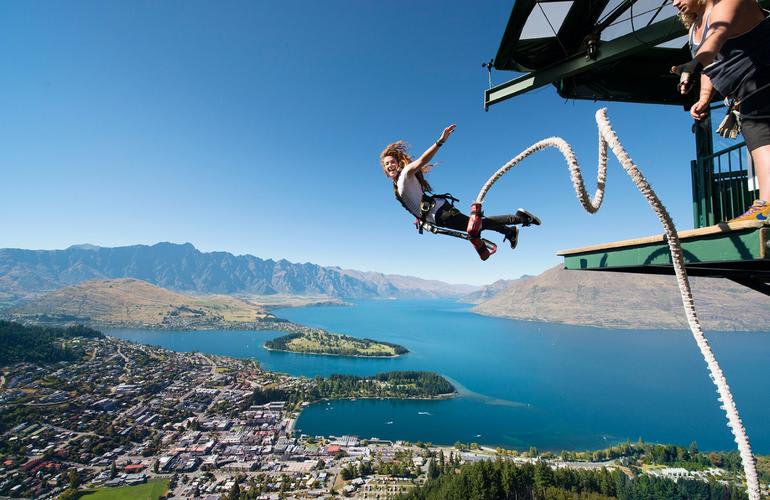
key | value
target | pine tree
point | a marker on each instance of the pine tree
(433, 470)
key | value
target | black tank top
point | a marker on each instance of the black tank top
(743, 64)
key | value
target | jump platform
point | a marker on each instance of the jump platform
(738, 251)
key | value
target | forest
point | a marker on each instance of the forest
(39, 344)
(503, 479)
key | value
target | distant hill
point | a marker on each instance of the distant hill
(409, 286)
(133, 303)
(487, 292)
(28, 273)
(622, 300)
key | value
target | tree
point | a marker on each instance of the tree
(113, 470)
(74, 479)
(544, 476)
(433, 470)
(70, 494)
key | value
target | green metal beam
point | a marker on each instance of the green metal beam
(650, 36)
(741, 246)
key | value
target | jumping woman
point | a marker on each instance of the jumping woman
(416, 195)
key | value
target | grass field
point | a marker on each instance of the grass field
(152, 490)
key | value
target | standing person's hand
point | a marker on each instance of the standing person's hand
(688, 73)
(699, 109)
(446, 133)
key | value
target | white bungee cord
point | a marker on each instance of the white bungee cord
(607, 137)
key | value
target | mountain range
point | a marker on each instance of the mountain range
(182, 267)
(608, 300)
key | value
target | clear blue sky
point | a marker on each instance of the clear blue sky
(255, 127)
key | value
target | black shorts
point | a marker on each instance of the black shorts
(756, 133)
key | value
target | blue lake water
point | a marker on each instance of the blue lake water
(522, 384)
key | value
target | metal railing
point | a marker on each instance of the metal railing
(720, 186)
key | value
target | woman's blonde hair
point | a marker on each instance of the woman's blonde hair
(689, 19)
(400, 151)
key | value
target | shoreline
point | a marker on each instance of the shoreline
(246, 327)
(446, 395)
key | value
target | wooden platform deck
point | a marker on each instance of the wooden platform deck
(737, 251)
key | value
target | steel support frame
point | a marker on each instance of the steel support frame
(653, 35)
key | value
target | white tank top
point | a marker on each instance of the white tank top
(706, 26)
(410, 191)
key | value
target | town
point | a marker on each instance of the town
(194, 425)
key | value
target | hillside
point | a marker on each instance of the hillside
(135, 303)
(29, 273)
(487, 292)
(621, 300)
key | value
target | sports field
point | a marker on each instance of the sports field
(152, 490)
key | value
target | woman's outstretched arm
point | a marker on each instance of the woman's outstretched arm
(429, 153)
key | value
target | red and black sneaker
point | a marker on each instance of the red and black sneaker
(512, 236)
(526, 218)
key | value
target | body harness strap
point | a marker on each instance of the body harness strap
(483, 247)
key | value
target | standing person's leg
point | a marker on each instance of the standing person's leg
(757, 136)
(760, 157)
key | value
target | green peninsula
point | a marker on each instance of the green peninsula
(397, 384)
(317, 341)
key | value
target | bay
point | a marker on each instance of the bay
(521, 384)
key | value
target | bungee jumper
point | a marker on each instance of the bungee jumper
(436, 212)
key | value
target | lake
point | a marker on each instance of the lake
(521, 384)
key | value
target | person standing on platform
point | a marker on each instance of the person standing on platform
(730, 44)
